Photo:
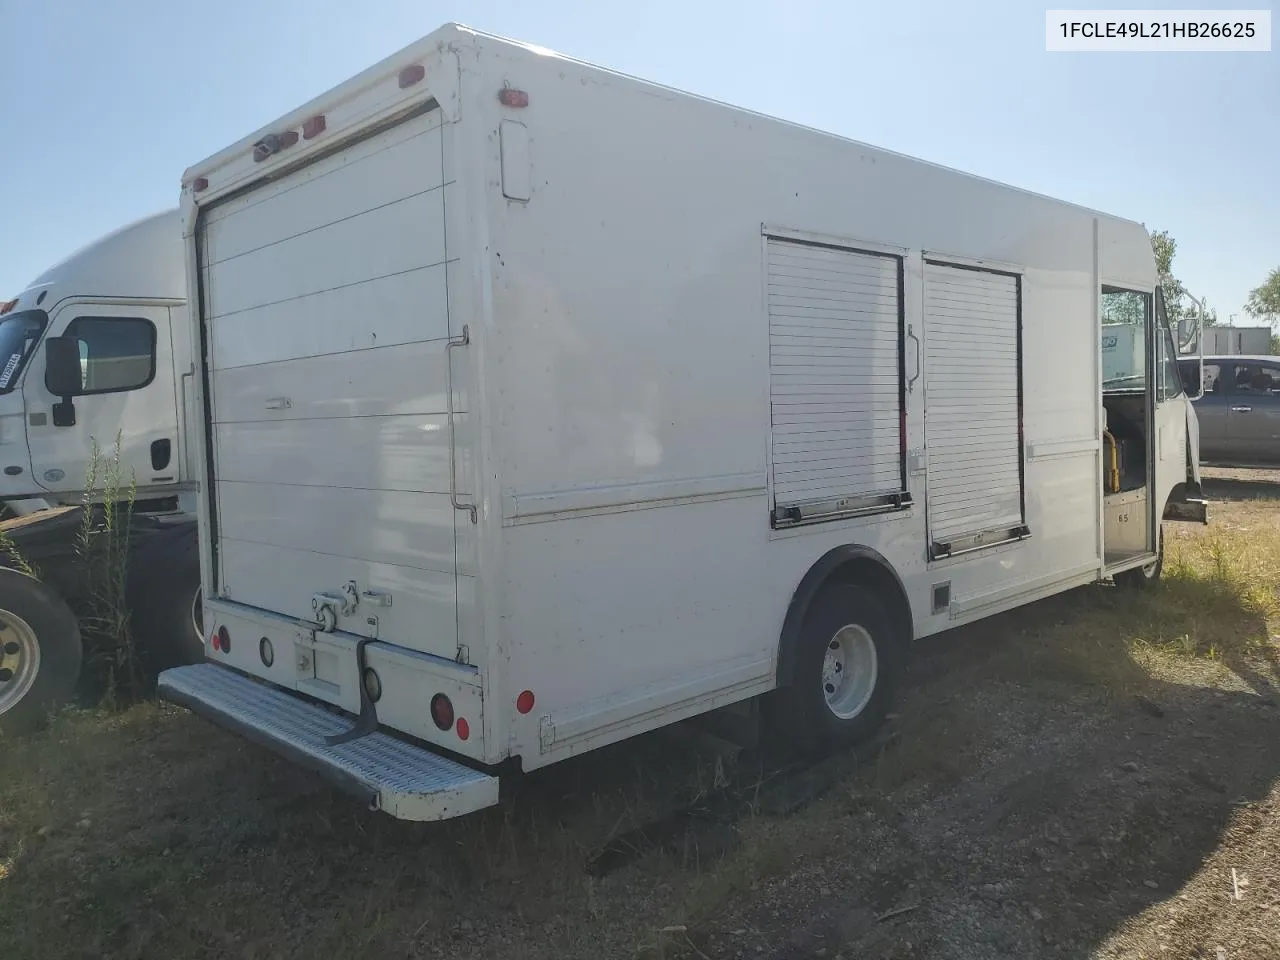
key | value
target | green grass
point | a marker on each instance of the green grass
(102, 545)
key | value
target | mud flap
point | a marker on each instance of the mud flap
(1187, 503)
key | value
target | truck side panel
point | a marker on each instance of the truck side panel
(631, 344)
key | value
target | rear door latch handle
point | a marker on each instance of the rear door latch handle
(1241, 409)
(377, 598)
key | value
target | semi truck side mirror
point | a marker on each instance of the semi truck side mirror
(62, 377)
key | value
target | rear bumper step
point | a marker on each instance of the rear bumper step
(399, 778)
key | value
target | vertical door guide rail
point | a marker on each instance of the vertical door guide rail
(462, 341)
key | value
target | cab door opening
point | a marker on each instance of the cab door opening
(1128, 467)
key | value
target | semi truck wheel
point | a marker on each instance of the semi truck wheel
(164, 598)
(40, 651)
(846, 671)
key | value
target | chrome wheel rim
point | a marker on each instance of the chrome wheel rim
(19, 660)
(850, 669)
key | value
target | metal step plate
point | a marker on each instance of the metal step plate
(399, 778)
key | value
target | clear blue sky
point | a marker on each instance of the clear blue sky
(103, 103)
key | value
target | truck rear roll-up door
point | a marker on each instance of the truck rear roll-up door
(326, 312)
(835, 381)
(972, 407)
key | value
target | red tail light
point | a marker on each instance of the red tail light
(524, 702)
(464, 728)
(442, 711)
(220, 640)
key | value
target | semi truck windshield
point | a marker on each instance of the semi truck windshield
(19, 333)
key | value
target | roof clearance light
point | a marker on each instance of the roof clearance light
(288, 138)
(8, 305)
(313, 127)
(411, 75)
(200, 183)
(513, 98)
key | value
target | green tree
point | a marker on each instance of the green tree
(1164, 247)
(1124, 309)
(1264, 301)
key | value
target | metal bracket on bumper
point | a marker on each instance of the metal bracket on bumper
(389, 774)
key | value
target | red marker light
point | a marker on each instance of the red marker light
(200, 183)
(513, 98)
(411, 75)
(524, 702)
(313, 126)
(464, 728)
(288, 138)
(8, 305)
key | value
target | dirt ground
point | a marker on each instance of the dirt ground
(1097, 775)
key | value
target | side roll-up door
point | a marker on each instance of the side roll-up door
(835, 381)
(973, 407)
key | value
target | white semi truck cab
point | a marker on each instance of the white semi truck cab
(95, 351)
(111, 320)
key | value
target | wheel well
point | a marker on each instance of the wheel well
(848, 564)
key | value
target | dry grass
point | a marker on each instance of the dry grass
(148, 833)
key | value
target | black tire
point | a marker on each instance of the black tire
(1144, 578)
(163, 592)
(33, 612)
(800, 710)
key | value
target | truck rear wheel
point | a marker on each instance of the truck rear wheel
(164, 598)
(40, 651)
(847, 664)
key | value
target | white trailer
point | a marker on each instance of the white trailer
(116, 312)
(543, 406)
(1123, 347)
(1229, 341)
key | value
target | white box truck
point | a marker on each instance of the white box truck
(543, 406)
(116, 309)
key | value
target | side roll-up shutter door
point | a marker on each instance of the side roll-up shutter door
(835, 381)
(973, 434)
